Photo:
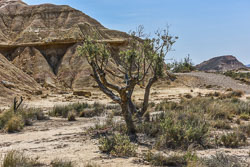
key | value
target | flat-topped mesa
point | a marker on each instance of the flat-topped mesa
(41, 40)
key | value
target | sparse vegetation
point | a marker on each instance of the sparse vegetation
(72, 116)
(245, 129)
(244, 77)
(174, 160)
(117, 145)
(14, 122)
(222, 160)
(18, 159)
(183, 66)
(80, 109)
(221, 124)
(232, 140)
(181, 129)
(61, 163)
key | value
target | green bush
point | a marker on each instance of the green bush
(117, 145)
(151, 129)
(183, 66)
(17, 159)
(232, 140)
(174, 160)
(244, 116)
(181, 129)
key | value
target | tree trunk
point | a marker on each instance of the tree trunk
(127, 114)
(146, 95)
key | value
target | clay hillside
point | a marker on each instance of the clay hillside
(38, 47)
(221, 63)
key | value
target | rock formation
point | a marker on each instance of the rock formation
(41, 41)
(222, 63)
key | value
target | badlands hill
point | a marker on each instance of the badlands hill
(222, 63)
(38, 46)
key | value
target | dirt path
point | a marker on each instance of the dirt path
(219, 80)
(58, 138)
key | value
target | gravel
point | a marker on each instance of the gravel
(219, 80)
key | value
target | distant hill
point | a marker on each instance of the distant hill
(221, 63)
(248, 65)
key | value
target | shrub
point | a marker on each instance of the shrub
(245, 129)
(232, 140)
(222, 160)
(5, 117)
(165, 106)
(183, 66)
(149, 128)
(72, 116)
(218, 110)
(244, 116)
(17, 159)
(117, 145)
(91, 112)
(31, 114)
(15, 124)
(61, 163)
(235, 93)
(60, 111)
(219, 124)
(81, 109)
(181, 129)
(174, 160)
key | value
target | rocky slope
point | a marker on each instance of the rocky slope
(222, 63)
(14, 81)
(41, 41)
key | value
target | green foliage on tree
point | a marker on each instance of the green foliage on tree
(182, 66)
(141, 61)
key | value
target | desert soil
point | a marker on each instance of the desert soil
(59, 139)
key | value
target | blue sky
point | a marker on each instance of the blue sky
(206, 28)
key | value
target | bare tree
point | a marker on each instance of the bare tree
(16, 104)
(141, 61)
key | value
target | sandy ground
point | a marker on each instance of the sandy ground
(58, 138)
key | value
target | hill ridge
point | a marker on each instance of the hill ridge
(221, 63)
